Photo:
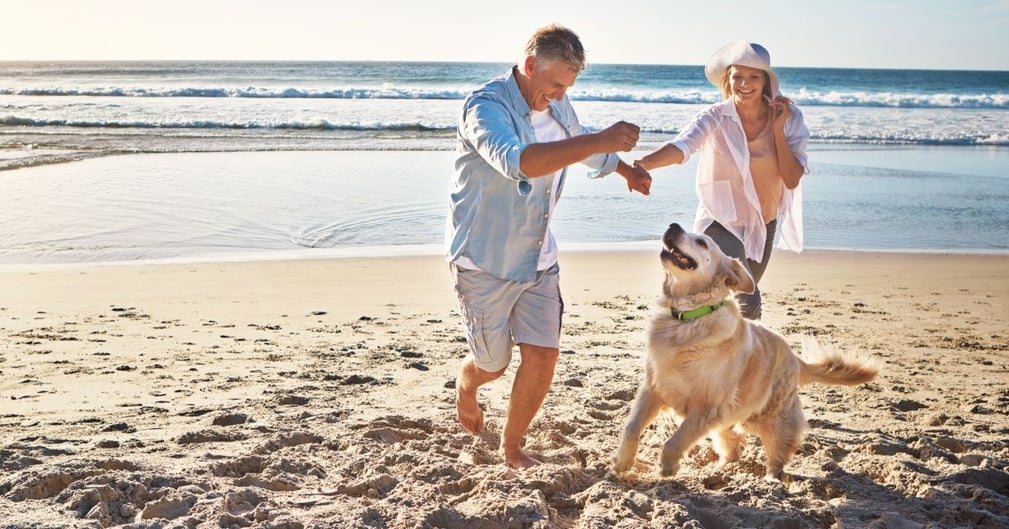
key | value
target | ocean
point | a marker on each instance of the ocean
(253, 159)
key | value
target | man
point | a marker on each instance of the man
(516, 137)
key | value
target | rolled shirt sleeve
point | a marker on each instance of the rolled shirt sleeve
(491, 130)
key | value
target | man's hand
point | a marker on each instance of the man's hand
(619, 137)
(637, 178)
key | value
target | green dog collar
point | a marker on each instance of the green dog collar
(693, 314)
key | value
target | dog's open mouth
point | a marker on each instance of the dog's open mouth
(682, 261)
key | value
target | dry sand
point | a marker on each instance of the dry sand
(319, 393)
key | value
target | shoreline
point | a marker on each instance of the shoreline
(229, 206)
(436, 251)
(23, 152)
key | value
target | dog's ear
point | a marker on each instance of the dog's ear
(737, 276)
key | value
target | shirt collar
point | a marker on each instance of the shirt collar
(514, 95)
(727, 108)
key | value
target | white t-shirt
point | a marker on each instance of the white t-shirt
(548, 129)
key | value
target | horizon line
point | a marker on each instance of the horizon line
(465, 61)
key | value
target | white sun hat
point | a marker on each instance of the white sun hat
(741, 53)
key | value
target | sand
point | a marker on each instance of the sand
(319, 393)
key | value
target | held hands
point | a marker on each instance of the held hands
(637, 177)
(623, 136)
(639, 180)
(620, 136)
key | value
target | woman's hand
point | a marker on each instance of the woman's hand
(781, 108)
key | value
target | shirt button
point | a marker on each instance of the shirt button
(540, 243)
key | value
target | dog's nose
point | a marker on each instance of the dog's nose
(672, 233)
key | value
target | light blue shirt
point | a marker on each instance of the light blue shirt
(494, 218)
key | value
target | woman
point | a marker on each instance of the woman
(753, 154)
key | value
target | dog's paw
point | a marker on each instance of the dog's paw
(622, 463)
(670, 468)
(726, 461)
(775, 476)
(623, 459)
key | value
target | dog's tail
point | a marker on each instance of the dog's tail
(828, 366)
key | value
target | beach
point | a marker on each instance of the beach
(222, 304)
(305, 393)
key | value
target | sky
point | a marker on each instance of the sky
(929, 34)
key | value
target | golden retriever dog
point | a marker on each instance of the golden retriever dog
(721, 374)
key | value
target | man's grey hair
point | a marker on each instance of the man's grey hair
(555, 43)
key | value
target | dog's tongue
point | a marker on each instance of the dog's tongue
(684, 262)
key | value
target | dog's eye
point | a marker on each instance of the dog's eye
(702, 243)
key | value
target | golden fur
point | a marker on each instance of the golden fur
(721, 374)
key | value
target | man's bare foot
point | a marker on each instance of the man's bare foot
(519, 459)
(468, 410)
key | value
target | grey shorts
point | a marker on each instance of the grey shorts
(498, 313)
